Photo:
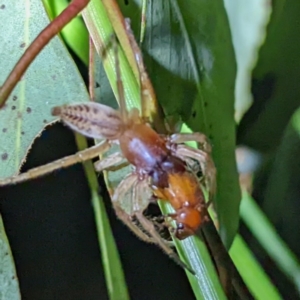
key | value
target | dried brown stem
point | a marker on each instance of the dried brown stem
(38, 44)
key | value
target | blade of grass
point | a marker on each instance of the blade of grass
(252, 273)
(265, 233)
(193, 251)
(114, 276)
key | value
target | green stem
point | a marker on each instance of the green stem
(114, 276)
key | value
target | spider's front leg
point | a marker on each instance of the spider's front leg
(127, 186)
(202, 155)
(141, 190)
(109, 163)
(198, 137)
(65, 162)
(90, 119)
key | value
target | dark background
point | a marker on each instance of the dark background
(50, 225)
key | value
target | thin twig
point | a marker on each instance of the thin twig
(38, 44)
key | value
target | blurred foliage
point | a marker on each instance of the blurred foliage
(270, 127)
(275, 86)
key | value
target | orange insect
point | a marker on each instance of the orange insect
(182, 191)
(161, 164)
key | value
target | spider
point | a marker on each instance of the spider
(161, 164)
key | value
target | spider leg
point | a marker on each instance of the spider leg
(65, 162)
(109, 162)
(150, 228)
(207, 165)
(148, 225)
(198, 137)
(143, 20)
(150, 109)
(201, 155)
(125, 185)
(163, 226)
(126, 219)
(147, 91)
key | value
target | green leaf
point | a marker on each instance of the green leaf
(51, 80)
(9, 287)
(280, 204)
(252, 273)
(190, 58)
